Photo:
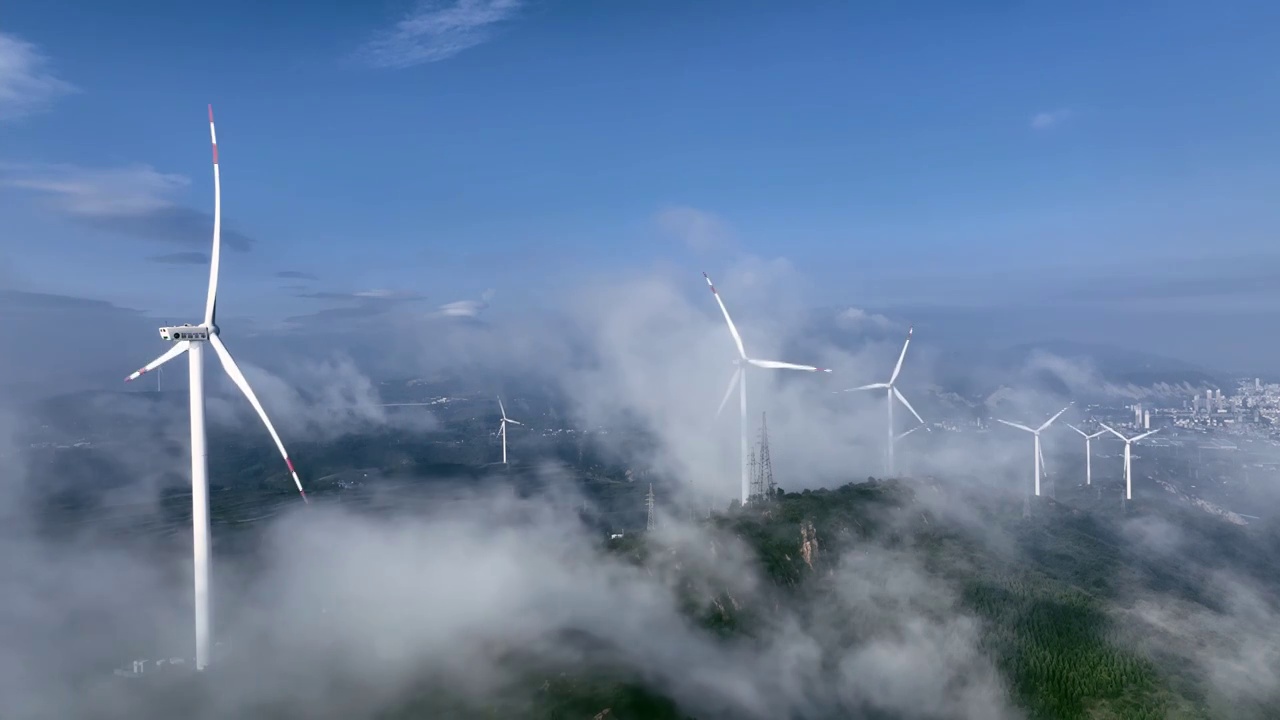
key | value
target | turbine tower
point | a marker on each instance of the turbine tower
(1128, 463)
(502, 429)
(739, 378)
(891, 391)
(191, 339)
(1036, 432)
(1088, 452)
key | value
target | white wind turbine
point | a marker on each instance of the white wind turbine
(191, 339)
(1036, 432)
(1088, 452)
(502, 429)
(1128, 462)
(739, 378)
(892, 391)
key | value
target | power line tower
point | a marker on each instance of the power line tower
(766, 463)
(652, 521)
(761, 467)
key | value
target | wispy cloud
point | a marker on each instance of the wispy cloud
(26, 84)
(1049, 118)
(853, 318)
(702, 231)
(133, 200)
(466, 308)
(182, 258)
(436, 31)
(295, 275)
(363, 295)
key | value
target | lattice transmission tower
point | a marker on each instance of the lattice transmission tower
(652, 521)
(761, 467)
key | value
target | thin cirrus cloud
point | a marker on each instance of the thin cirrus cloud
(27, 85)
(1049, 118)
(436, 31)
(134, 200)
(295, 275)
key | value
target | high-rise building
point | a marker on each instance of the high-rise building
(1146, 420)
(1257, 384)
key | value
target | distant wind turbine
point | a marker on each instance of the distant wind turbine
(191, 339)
(891, 391)
(1036, 432)
(1128, 462)
(502, 429)
(739, 378)
(1088, 452)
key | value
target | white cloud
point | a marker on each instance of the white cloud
(857, 318)
(26, 84)
(97, 192)
(1049, 118)
(135, 200)
(702, 231)
(437, 31)
(466, 308)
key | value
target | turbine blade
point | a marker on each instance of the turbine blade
(872, 386)
(898, 368)
(1097, 434)
(733, 385)
(1082, 433)
(237, 377)
(211, 302)
(502, 409)
(902, 435)
(1145, 434)
(514, 422)
(778, 365)
(1012, 424)
(1114, 432)
(173, 352)
(898, 394)
(733, 330)
(1049, 422)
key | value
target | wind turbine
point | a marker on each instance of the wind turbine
(1128, 463)
(1036, 432)
(502, 429)
(739, 378)
(891, 391)
(1088, 453)
(191, 339)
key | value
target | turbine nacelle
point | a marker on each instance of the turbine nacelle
(188, 332)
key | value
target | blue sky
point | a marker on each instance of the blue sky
(895, 153)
